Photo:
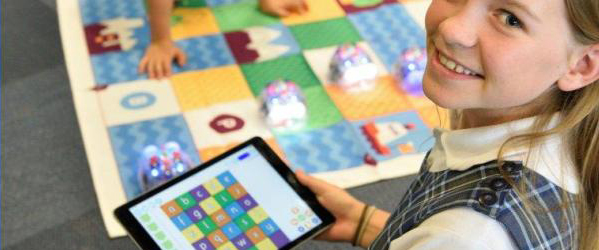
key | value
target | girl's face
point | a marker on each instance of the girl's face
(495, 56)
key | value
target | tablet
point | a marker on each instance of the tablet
(244, 198)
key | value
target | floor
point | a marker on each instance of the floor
(48, 200)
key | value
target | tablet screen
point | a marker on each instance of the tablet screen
(237, 203)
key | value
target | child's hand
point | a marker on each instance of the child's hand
(341, 204)
(158, 59)
(283, 7)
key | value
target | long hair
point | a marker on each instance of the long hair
(579, 123)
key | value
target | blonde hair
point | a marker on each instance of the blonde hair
(579, 113)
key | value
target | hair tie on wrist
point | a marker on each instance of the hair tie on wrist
(360, 222)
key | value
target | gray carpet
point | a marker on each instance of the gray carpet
(48, 201)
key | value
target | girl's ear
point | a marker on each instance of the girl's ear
(583, 71)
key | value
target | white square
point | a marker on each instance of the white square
(137, 101)
(219, 125)
(319, 60)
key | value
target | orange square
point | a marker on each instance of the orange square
(318, 10)
(171, 209)
(220, 217)
(255, 234)
(191, 22)
(198, 89)
(217, 238)
(236, 191)
(385, 98)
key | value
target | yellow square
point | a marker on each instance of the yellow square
(384, 99)
(227, 246)
(213, 186)
(198, 89)
(210, 205)
(190, 22)
(258, 214)
(266, 244)
(192, 233)
(318, 10)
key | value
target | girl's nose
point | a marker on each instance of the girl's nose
(460, 30)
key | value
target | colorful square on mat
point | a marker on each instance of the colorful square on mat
(220, 217)
(204, 52)
(115, 35)
(234, 210)
(210, 152)
(171, 209)
(191, 3)
(320, 59)
(196, 213)
(279, 238)
(222, 124)
(231, 230)
(269, 227)
(203, 244)
(385, 98)
(93, 11)
(261, 43)
(385, 136)
(129, 140)
(207, 226)
(353, 6)
(226, 179)
(221, 2)
(325, 33)
(241, 15)
(321, 110)
(137, 101)
(182, 221)
(318, 10)
(389, 30)
(217, 238)
(213, 186)
(190, 22)
(244, 222)
(326, 149)
(294, 68)
(117, 67)
(199, 89)
(223, 198)
(258, 214)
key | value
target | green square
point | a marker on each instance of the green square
(207, 226)
(191, 3)
(223, 198)
(325, 34)
(241, 15)
(244, 222)
(153, 227)
(186, 201)
(322, 112)
(294, 68)
(160, 236)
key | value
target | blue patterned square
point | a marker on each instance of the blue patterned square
(389, 30)
(221, 2)
(116, 67)
(394, 133)
(129, 140)
(328, 149)
(204, 52)
(182, 221)
(94, 11)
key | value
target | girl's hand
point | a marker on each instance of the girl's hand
(283, 7)
(158, 58)
(341, 204)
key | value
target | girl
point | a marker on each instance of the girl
(520, 167)
(162, 50)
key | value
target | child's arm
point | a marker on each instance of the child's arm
(162, 50)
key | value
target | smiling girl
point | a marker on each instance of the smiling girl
(519, 168)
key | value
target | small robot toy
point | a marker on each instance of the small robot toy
(284, 106)
(409, 70)
(352, 69)
(158, 165)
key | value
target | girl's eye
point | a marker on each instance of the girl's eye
(510, 19)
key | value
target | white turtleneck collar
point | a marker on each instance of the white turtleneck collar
(461, 149)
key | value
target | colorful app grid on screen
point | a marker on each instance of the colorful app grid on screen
(221, 214)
